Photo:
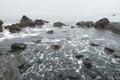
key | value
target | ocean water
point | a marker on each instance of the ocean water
(48, 64)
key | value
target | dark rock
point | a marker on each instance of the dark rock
(72, 26)
(109, 50)
(102, 23)
(50, 31)
(1, 22)
(8, 68)
(7, 27)
(58, 24)
(87, 63)
(39, 22)
(79, 56)
(18, 46)
(1, 28)
(85, 24)
(14, 28)
(45, 21)
(25, 21)
(93, 44)
(114, 27)
(38, 41)
(55, 47)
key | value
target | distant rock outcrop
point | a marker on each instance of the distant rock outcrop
(85, 24)
(102, 23)
(25, 21)
(58, 24)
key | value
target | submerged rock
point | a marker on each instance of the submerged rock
(50, 32)
(79, 56)
(25, 21)
(55, 47)
(58, 24)
(93, 44)
(102, 23)
(14, 28)
(85, 24)
(18, 46)
(87, 63)
(109, 50)
(72, 26)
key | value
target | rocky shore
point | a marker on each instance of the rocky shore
(42, 60)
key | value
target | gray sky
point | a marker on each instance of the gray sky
(58, 7)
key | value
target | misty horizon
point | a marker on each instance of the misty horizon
(59, 7)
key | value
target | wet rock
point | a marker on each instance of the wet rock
(39, 22)
(87, 63)
(37, 41)
(1, 28)
(98, 77)
(8, 68)
(50, 32)
(79, 56)
(55, 47)
(72, 26)
(102, 23)
(114, 27)
(25, 21)
(1, 22)
(58, 24)
(85, 24)
(109, 50)
(93, 44)
(18, 46)
(14, 28)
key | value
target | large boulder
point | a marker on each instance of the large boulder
(85, 24)
(102, 23)
(18, 46)
(14, 28)
(25, 21)
(9, 68)
(58, 24)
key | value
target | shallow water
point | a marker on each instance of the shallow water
(61, 64)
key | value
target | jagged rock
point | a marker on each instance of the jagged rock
(109, 50)
(25, 21)
(85, 24)
(9, 68)
(102, 23)
(55, 47)
(39, 22)
(14, 28)
(87, 63)
(18, 46)
(1, 22)
(58, 24)
(50, 32)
